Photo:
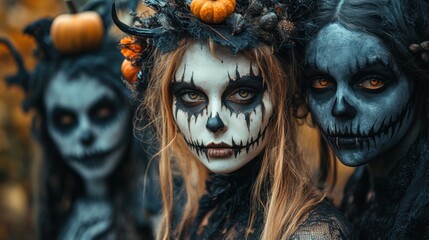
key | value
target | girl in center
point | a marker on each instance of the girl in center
(221, 103)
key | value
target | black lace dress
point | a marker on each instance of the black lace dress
(396, 207)
(228, 200)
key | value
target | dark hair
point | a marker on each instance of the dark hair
(60, 185)
(397, 23)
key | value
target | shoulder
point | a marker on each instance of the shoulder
(325, 222)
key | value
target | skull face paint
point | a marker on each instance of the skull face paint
(87, 123)
(358, 97)
(221, 108)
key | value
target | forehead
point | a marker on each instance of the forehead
(203, 67)
(75, 93)
(336, 46)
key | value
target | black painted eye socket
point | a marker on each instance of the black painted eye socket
(242, 96)
(103, 111)
(64, 120)
(191, 98)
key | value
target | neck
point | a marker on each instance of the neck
(382, 166)
(96, 187)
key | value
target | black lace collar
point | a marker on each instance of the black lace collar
(229, 197)
(394, 186)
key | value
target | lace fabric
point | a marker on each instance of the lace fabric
(228, 201)
(396, 207)
(325, 222)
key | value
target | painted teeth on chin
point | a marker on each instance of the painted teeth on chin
(387, 129)
(252, 143)
(374, 141)
(367, 143)
(235, 147)
(206, 153)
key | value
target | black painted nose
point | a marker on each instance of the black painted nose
(87, 138)
(342, 109)
(215, 124)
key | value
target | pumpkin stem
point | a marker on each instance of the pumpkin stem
(71, 6)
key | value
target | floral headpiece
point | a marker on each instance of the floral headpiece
(236, 24)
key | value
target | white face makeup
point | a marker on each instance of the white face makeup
(88, 124)
(221, 107)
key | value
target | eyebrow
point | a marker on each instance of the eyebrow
(246, 80)
(180, 85)
(249, 79)
(101, 100)
(369, 63)
(313, 68)
(61, 109)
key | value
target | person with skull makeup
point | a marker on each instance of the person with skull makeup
(368, 94)
(220, 102)
(93, 167)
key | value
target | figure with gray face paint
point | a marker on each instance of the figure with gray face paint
(93, 167)
(369, 95)
(221, 103)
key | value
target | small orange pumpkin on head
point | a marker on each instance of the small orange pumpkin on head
(77, 32)
(212, 11)
(131, 50)
(129, 71)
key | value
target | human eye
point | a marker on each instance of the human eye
(322, 83)
(64, 119)
(192, 98)
(372, 83)
(103, 111)
(242, 96)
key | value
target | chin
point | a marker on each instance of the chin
(222, 166)
(354, 158)
(97, 168)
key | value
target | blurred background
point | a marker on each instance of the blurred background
(19, 155)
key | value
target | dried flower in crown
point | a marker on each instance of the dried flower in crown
(130, 48)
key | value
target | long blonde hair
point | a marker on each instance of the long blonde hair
(283, 173)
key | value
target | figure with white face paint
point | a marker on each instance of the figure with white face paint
(221, 103)
(93, 168)
(366, 85)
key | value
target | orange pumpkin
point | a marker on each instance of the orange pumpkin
(78, 32)
(129, 71)
(212, 11)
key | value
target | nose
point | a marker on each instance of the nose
(215, 124)
(87, 138)
(343, 109)
(86, 134)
